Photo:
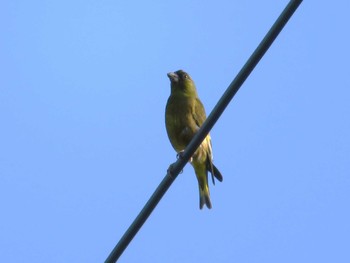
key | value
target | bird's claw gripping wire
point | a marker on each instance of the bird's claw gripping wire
(180, 155)
(171, 166)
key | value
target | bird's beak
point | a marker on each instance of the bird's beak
(173, 77)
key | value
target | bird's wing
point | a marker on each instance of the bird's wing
(198, 113)
(199, 118)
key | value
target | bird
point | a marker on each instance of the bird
(184, 115)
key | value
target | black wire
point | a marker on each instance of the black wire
(176, 168)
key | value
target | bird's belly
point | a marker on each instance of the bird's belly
(179, 133)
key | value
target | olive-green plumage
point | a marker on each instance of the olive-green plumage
(184, 115)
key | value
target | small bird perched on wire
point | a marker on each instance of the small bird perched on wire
(184, 115)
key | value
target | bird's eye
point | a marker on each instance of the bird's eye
(185, 76)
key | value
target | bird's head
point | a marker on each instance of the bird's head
(181, 83)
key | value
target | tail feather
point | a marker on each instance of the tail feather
(204, 197)
(201, 169)
(214, 172)
(217, 173)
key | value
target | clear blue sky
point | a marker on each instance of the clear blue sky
(83, 142)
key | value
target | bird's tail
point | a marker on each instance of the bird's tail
(204, 196)
(202, 177)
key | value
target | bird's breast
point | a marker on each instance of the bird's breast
(179, 123)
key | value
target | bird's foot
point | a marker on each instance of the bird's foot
(180, 155)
